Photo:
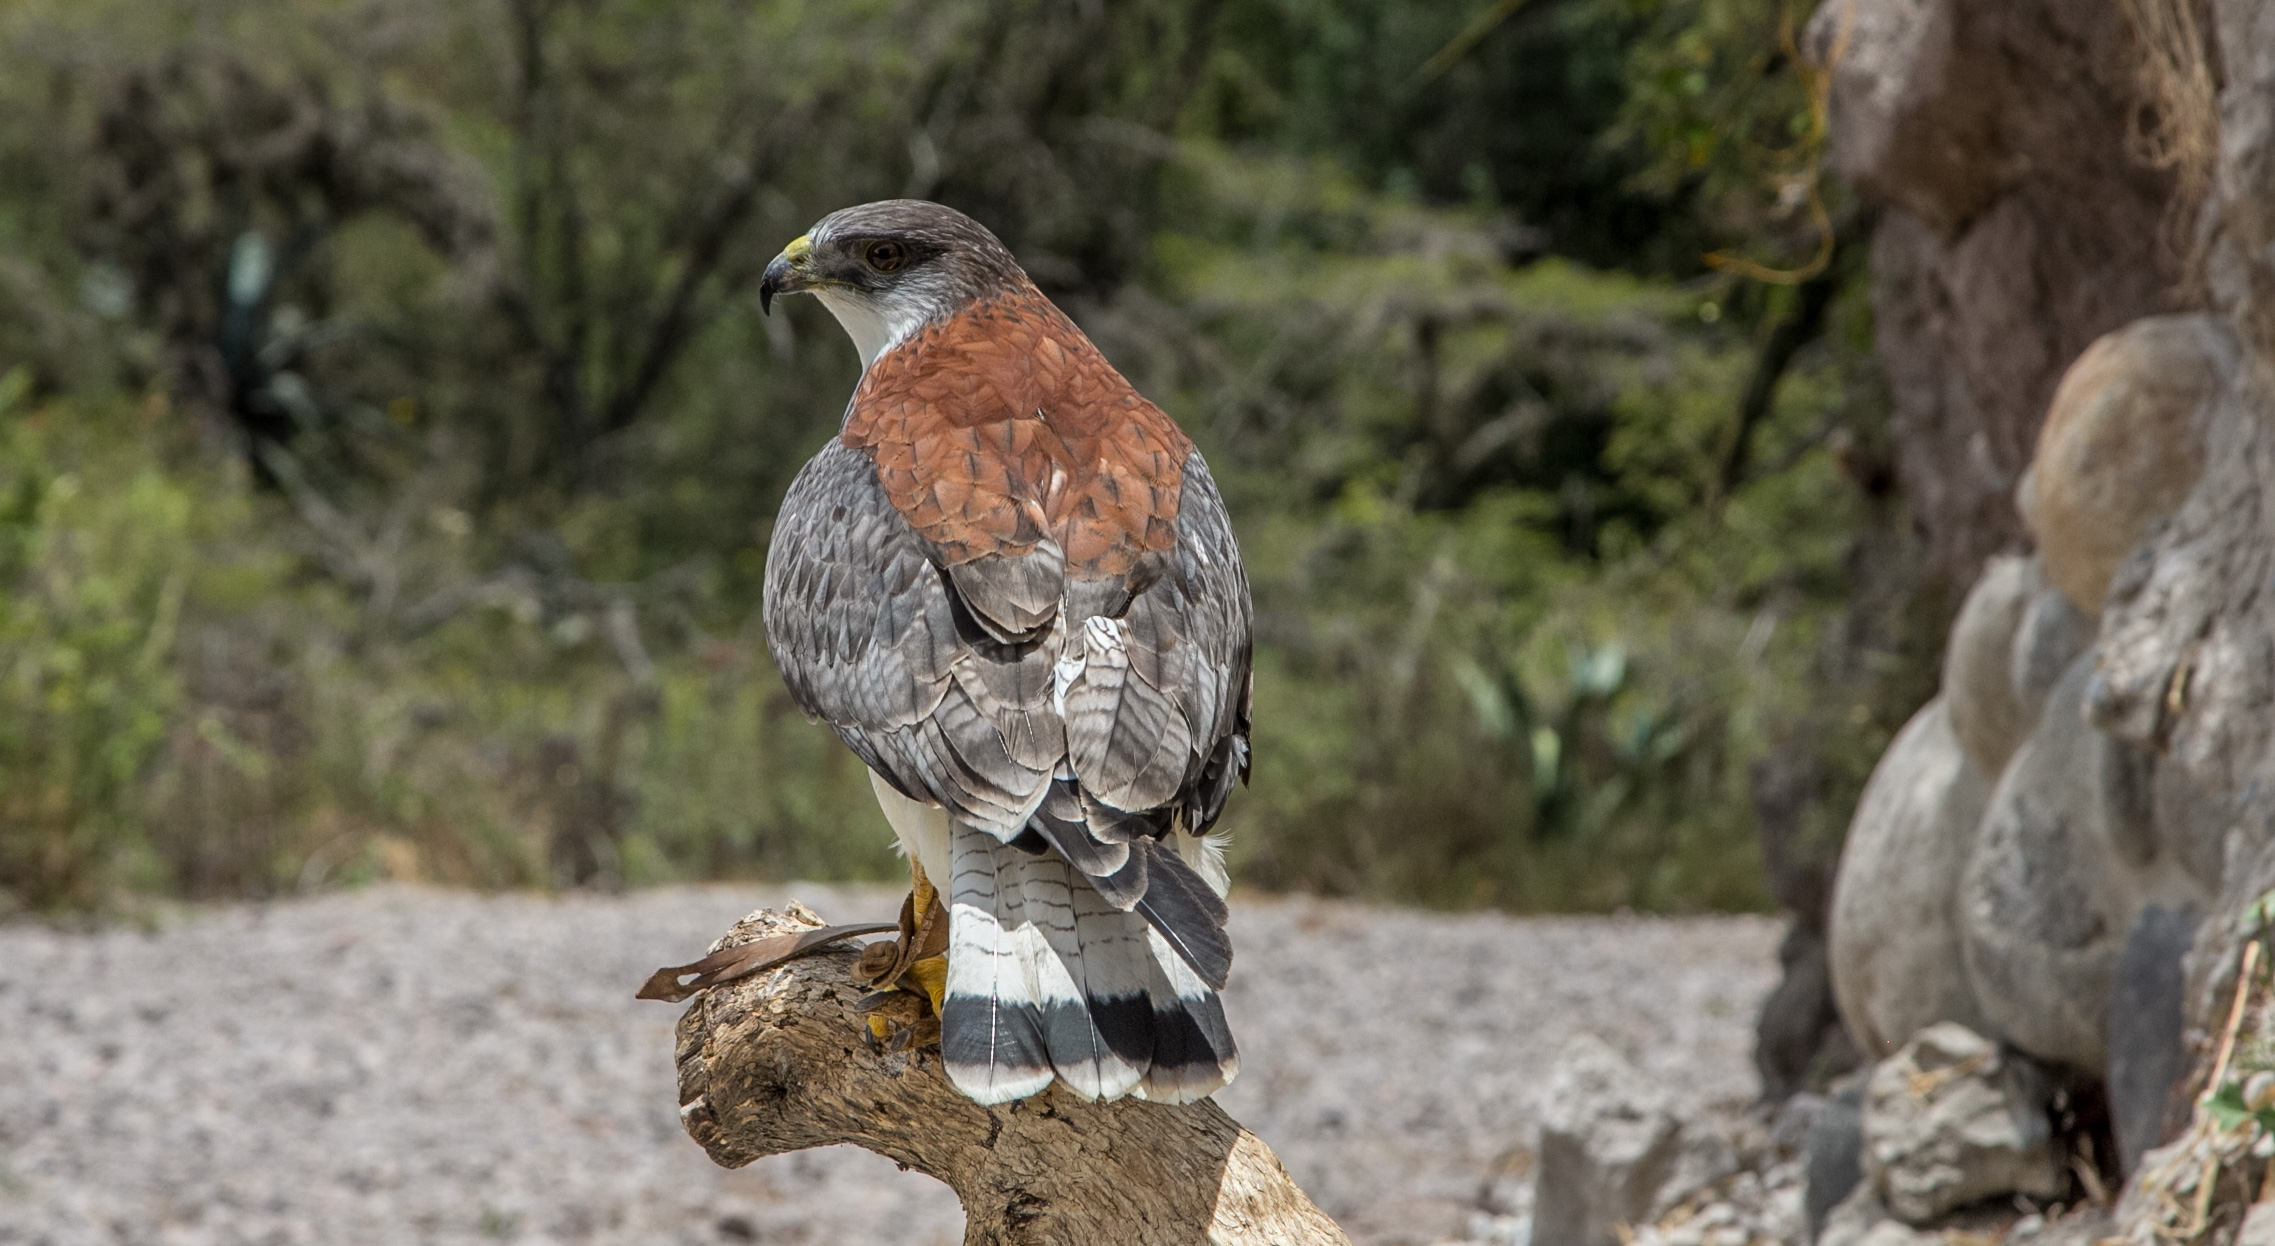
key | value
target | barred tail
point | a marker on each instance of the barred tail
(1047, 979)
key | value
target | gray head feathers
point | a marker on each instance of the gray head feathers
(888, 268)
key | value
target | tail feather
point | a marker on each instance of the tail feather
(1047, 978)
(1096, 1043)
(991, 1034)
(1060, 820)
(1193, 1054)
(1184, 910)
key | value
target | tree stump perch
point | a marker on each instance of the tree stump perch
(776, 1062)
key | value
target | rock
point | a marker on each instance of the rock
(2082, 1226)
(1949, 1120)
(2051, 635)
(1978, 662)
(2147, 1057)
(2192, 822)
(2192, 1191)
(1790, 1123)
(2042, 911)
(2122, 445)
(2015, 229)
(1861, 1219)
(1799, 1040)
(1918, 122)
(2065, 857)
(1761, 1205)
(1832, 1157)
(2183, 644)
(1613, 1150)
(1897, 1233)
(1896, 954)
(2258, 1226)
(2241, 267)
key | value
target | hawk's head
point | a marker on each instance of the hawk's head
(889, 268)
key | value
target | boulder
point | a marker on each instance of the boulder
(2015, 227)
(1950, 1120)
(2066, 855)
(2184, 657)
(2049, 637)
(1918, 109)
(1978, 662)
(2043, 909)
(1614, 1151)
(2122, 445)
(2192, 822)
(1832, 1155)
(2147, 1053)
(1896, 955)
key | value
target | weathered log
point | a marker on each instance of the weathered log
(777, 1061)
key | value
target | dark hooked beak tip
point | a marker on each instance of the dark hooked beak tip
(778, 279)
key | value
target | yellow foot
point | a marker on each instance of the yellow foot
(912, 970)
(931, 975)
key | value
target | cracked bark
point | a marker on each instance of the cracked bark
(775, 1062)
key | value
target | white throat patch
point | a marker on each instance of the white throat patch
(875, 324)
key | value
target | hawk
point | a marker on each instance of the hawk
(1010, 586)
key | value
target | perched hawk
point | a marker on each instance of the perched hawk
(1010, 586)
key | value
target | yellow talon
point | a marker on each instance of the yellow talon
(932, 975)
(894, 1025)
(932, 972)
(921, 891)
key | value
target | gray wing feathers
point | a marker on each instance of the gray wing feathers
(865, 631)
(974, 718)
(1014, 599)
(1127, 737)
(1166, 684)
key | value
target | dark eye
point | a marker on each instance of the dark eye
(886, 257)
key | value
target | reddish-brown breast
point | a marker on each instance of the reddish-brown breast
(1003, 422)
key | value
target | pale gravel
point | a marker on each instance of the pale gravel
(410, 1065)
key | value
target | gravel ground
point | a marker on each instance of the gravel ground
(411, 1065)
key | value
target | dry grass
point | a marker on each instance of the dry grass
(2177, 125)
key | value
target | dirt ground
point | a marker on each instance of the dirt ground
(411, 1065)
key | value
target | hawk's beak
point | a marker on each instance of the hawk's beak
(786, 273)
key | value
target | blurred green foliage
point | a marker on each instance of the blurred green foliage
(391, 435)
(94, 547)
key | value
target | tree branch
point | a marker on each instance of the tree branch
(1803, 324)
(776, 1062)
(676, 324)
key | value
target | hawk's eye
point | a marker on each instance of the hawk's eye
(886, 257)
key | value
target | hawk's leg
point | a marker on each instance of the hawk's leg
(911, 971)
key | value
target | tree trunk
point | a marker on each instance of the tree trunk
(777, 1062)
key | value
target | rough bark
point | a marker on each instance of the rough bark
(776, 1062)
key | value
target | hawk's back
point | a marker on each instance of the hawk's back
(1003, 423)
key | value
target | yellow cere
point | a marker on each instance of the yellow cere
(799, 248)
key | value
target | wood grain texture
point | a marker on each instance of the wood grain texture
(1003, 424)
(775, 1062)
